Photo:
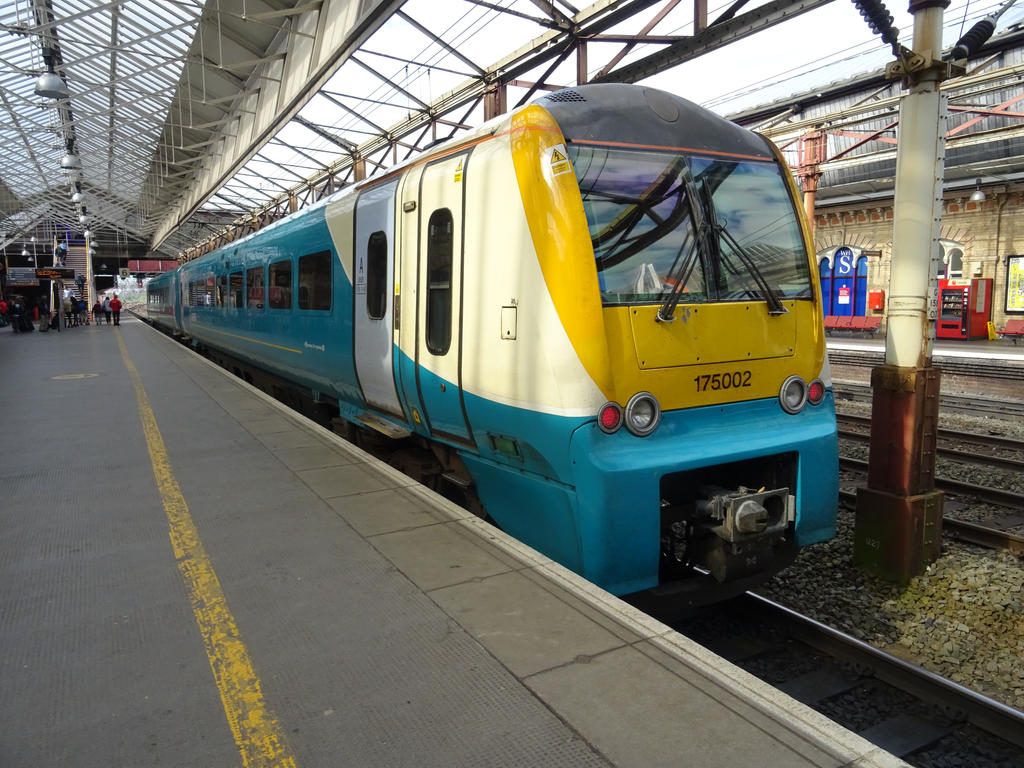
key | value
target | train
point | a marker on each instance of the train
(597, 318)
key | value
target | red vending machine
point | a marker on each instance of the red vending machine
(965, 307)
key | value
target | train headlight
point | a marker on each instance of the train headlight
(815, 392)
(642, 414)
(609, 418)
(793, 394)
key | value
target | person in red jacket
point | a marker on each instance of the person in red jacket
(115, 307)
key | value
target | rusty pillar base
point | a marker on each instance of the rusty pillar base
(895, 537)
(899, 514)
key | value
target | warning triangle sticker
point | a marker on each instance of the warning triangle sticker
(557, 157)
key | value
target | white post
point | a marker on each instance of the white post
(917, 204)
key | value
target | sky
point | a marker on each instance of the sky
(814, 49)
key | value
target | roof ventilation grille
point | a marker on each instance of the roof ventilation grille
(567, 94)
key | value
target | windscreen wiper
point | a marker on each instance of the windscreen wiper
(700, 249)
(775, 305)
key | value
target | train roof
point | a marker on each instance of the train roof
(631, 114)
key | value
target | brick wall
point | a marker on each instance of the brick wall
(989, 231)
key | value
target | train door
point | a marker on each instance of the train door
(374, 297)
(439, 297)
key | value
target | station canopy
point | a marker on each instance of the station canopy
(159, 125)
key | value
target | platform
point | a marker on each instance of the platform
(191, 575)
(974, 349)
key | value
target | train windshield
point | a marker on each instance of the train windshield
(670, 226)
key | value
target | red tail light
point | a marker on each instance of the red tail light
(610, 417)
(815, 392)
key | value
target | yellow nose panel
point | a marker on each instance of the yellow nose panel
(712, 333)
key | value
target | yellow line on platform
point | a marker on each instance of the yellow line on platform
(256, 730)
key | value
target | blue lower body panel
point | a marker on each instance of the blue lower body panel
(618, 479)
(601, 515)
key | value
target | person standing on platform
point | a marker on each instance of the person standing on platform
(106, 308)
(115, 307)
(69, 316)
(97, 310)
(44, 313)
(17, 310)
(3, 313)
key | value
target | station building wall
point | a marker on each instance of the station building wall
(987, 233)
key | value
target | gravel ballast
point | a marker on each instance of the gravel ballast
(963, 618)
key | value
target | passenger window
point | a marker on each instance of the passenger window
(222, 290)
(281, 285)
(377, 276)
(315, 280)
(439, 282)
(255, 290)
(237, 294)
(208, 292)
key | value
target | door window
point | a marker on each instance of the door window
(439, 281)
(377, 275)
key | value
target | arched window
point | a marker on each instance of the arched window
(839, 269)
(952, 258)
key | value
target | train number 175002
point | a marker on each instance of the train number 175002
(715, 381)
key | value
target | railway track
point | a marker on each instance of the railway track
(902, 708)
(974, 405)
(998, 496)
(992, 533)
(988, 443)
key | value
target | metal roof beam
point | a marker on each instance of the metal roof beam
(723, 31)
(454, 52)
(305, 69)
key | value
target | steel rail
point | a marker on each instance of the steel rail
(991, 495)
(987, 714)
(976, 459)
(986, 441)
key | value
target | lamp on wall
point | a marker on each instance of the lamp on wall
(978, 195)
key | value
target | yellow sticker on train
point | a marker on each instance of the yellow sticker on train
(558, 160)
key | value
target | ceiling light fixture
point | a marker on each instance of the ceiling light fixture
(77, 197)
(50, 85)
(70, 162)
(978, 195)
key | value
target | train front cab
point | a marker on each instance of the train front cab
(740, 470)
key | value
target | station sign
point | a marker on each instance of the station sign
(21, 277)
(56, 273)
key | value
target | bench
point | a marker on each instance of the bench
(1014, 329)
(869, 324)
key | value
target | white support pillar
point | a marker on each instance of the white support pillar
(917, 204)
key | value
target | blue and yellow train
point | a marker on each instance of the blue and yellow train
(598, 313)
